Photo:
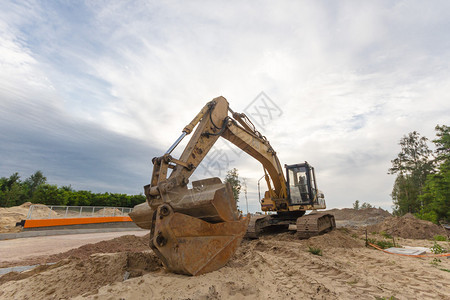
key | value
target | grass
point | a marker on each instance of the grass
(440, 238)
(435, 261)
(446, 270)
(381, 244)
(315, 251)
(386, 235)
(437, 249)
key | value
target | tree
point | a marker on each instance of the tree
(34, 181)
(233, 178)
(436, 191)
(412, 165)
(11, 190)
(7, 183)
(50, 194)
(442, 144)
(35, 189)
(13, 195)
(356, 205)
(366, 205)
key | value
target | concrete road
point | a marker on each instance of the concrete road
(18, 249)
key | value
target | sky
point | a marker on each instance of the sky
(91, 91)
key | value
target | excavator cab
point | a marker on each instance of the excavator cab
(301, 182)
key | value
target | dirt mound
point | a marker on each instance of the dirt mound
(408, 227)
(109, 211)
(338, 238)
(126, 243)
(15, 276)
(79, 277)
(335, 239)
(290, 243)
(349, 217)
(9, 216)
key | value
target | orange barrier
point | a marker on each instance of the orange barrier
(73, 221)
(410, 255)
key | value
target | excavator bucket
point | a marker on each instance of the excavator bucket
(188, 245)
(195, 231)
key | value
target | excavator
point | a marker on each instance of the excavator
(196, 230)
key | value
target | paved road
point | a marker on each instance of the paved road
(17, 249)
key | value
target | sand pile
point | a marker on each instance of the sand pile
(408, 227)
(125, 243)
(9, 216)
(338, 238)
(74, 277)
(355, 218)
(335, 239)
(109, 211)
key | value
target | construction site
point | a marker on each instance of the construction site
(224, 150)
(189, 240)
(275, 266)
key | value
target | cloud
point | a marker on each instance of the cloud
(350, 78)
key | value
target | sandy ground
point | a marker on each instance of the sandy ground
(16, 250)
(94, 266)
(273, 267)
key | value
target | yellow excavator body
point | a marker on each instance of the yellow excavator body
(197, 230)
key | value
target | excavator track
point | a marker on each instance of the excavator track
(315, 224)
(255, 226)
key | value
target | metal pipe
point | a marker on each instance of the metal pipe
(259, 193)
(176, 142)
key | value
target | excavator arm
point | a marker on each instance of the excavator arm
(197, 230)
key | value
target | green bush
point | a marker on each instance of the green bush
(381, 244)
(437, 249)
(427, 216)
(440, 238)
(386, 235)
(14, 191)
(315, 251)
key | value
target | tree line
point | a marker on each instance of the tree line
(422, 184)
(35, 189)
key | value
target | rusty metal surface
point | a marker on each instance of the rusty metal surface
(142, 215)
(197, 233)
(188, 245)
(209, 202)
(254, 226)
(213, 203)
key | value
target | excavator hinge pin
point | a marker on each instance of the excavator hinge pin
(164, 211)
(161, 240)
